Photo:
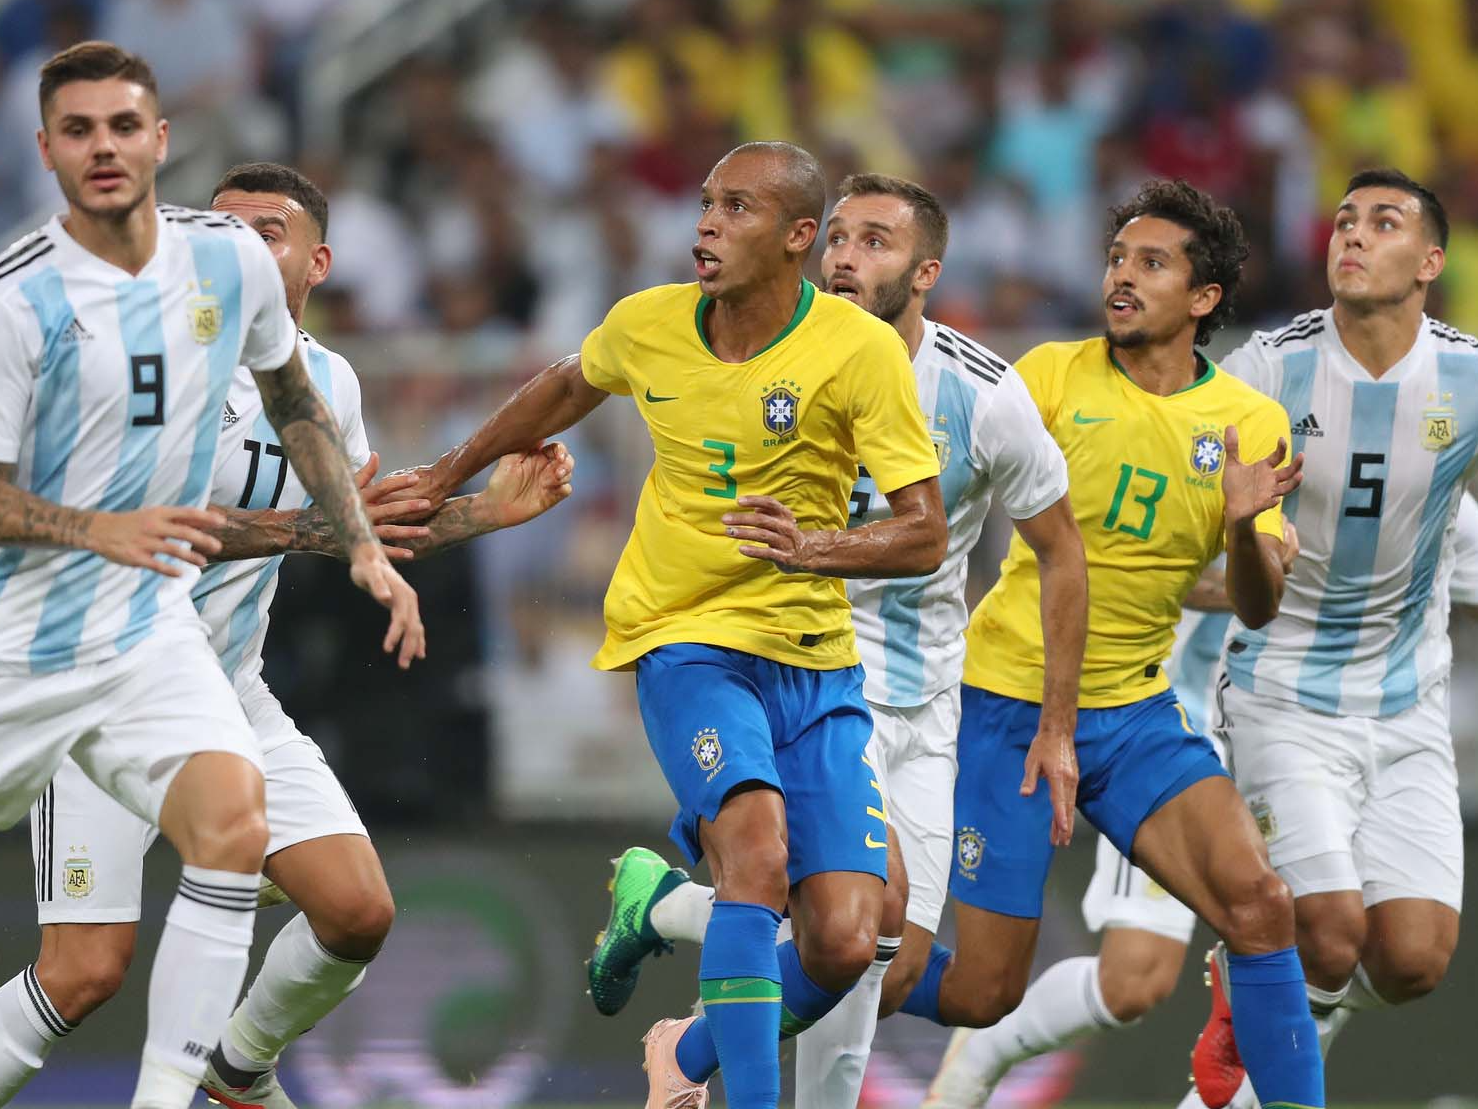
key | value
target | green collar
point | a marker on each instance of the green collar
(803, 305)
(1208, 371)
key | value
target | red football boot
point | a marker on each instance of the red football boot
(1216, 1067)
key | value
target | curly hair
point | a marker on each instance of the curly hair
(1217, 246)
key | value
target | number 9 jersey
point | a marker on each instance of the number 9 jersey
(1144, 475)
(835, 387)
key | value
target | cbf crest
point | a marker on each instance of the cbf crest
(77, 878)
(780, 409)
(1208, 451)
(207, 317)
(708, 752)
(969, 852)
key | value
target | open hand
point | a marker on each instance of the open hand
(151, 537)
(528, 483)
(370, 569)
(1252, 488)
(1054, 757)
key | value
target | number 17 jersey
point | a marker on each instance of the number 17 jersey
(1144, 475)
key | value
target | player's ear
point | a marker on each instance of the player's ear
(1204, 300)
(802, 236)
(163, 152)
(1432, 265)
(321, 261)
(925, 274)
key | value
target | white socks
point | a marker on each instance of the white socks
(683, 914)
(29, 1025)
(299, 984)
(197, 975)
(1064, 1004)
(831, 1056)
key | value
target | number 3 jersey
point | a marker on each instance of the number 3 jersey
(111, 387)
(251, 472)
(990, 440)
(1144, 473)
(1363, 626)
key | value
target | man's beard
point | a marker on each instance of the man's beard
(1128, 340)
(890, 300)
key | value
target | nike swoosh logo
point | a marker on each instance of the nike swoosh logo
(725, 986)
(868, 841)
(1079, 418)
(656, 400)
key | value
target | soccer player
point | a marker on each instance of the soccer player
(318, 851)
(121, 326)
(761, 395)
(885, 242)
(1335, 714)
(1153, 434)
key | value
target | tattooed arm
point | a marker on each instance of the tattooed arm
(138, 538)
(315, 450)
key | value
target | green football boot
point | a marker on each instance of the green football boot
(642, 879)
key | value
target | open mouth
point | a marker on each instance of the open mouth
(705, 262)
(1122, 305)
(841, 287)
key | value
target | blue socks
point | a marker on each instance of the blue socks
(923, 1001)
(1276, 1036)
(803, 1002)
(739, 981)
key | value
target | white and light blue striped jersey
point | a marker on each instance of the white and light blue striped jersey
(1462, 587)
(990, 439)
(111, 386)
(1195, 662)
(251, 472)
(1362, 630)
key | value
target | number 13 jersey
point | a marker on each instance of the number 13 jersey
(1144, 475)
(792, 422)
(1363, 626)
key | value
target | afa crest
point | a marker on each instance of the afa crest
(1267, 823)
(707, 750)
(941, 447)
(206, 318)
(1439, 428)
(77, 877)
(969, 851)
(780, 407)
(1208, 452)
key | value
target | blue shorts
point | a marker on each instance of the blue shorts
(717, 718)
(1131, 760)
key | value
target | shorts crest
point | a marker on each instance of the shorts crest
(77, 877)
(969, 851)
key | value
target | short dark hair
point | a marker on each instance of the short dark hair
(271, 177)
(1388, 177)
(94, 61)
(928, 213)
(1217, 246)
(805, 186)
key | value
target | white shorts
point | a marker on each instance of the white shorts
(130, 722)
(89, 851)
(1351, 802)
(913, 751)
(1123, 896)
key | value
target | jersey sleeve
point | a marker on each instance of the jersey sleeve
(1258, 434)
(1037, 370)
(1250, 363)
(270, 335)
(601, 354)
(1463, 588)
(1025, 465)
(347, 401)
(888, 427)
(16, 382)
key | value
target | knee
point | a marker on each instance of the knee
(1131, 991)
(903, 975)
(1257, 914)
(1407, 971)
(756, 874)
(835, 956)
(357, 928)
(989, 998)
(1329, 945)
(235, 838)
(84, 978)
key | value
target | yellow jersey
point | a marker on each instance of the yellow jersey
(834, 388)
(1144, 474)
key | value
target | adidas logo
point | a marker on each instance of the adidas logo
(1308, 426)
(229, 417)
(76, 333)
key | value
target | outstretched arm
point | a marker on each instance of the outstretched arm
(315, 450)
(910, 543)
(555, 399)
(139, 538)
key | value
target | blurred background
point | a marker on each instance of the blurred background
(499, 173)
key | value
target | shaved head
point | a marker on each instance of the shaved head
(793, 176)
